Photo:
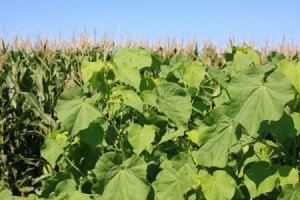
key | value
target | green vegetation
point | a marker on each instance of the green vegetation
(133, 123)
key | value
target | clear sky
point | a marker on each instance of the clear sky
(214, 20)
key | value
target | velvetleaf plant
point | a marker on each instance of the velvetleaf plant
(144, 127)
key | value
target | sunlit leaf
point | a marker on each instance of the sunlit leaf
(288, 175)
(140, 138)
(220, 185)
(88, 68)
(261, 178)
(256, 100)
(76, 113)
(52, 149)
(172, 135)
(215, 140)
(174, 103)
(190, 72)
(176, 179)
(123, 179)
(290, 192)
(292, 71)
(135, 57)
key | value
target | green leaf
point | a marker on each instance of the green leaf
(216, 140)
(131, 99)
(38, 78)
(170, 184)
(147, 83)
(76, 113)
(32, 197)
(134, 57)
(218, 75)
(261, 178)
(98, 82)
(66, 186)
(52, 149)
(256, 100)
(140, 138)
(252, 154)
(108, 166)
(3, 76)
(94, 134)
(222, 99)
(72, 92)
(191, 73)
(179, 161)
(243, 59)
(292, 71)
(129, 75)
(193, 136)
(123, 180)
(129, 62)
(88, 69)
(50, 184)
(275, 57)
(289, 192)
(149, 99)
(220, 185)
(296, 120)
(37, 107)
(174, 103)
(170, 136)
(288, 175)
(6, 194)
(176, 178)
(283, 128)
(77, 195)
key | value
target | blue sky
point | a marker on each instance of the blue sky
(211, 20)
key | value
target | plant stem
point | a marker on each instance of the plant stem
(73, 165)
(294, 152)
(295, 102)
(120, 139)
(111, 120)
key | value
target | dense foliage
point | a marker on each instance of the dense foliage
(136, 125)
